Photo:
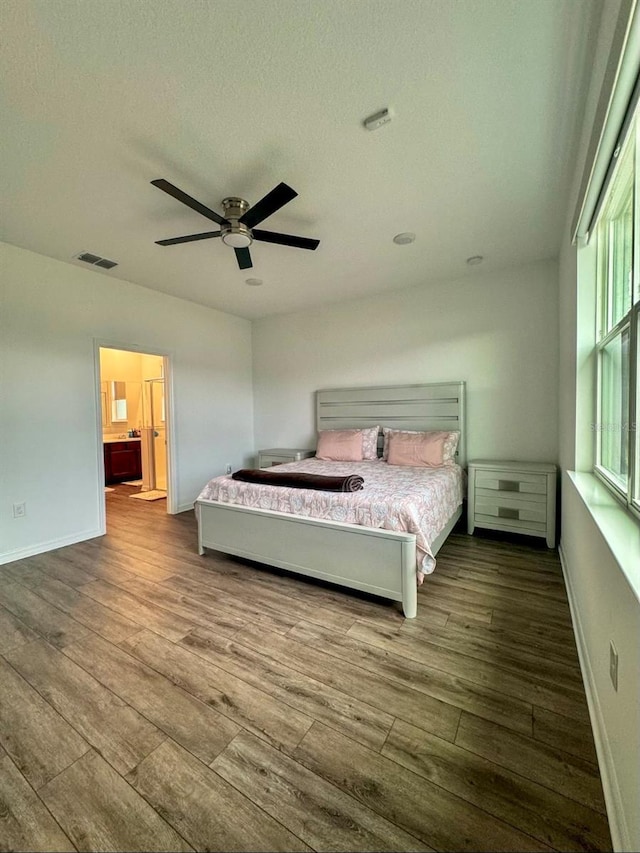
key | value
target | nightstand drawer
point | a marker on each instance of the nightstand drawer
(267, 461)
(507, 510)
(280, 455)
(516, 526)
(500, 496)
(512, 481)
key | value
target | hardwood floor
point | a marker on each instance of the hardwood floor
(153, 699)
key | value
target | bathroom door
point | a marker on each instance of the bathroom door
(160, 433)
(154, 436)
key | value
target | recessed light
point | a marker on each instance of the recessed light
(404, 238)
(474, 260)
(254, 282)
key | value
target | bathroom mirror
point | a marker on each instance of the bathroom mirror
(121, 404)
(118, 402)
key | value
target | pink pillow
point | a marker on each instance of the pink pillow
(340, 445)
(450, 443)
(417, 449)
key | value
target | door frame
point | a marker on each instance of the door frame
(172, 479)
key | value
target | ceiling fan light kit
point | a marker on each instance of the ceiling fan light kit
(237, 238)
(237, 225)
(235, 233)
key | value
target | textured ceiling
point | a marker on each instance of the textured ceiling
(99, 98)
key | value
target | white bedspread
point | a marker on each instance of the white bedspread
(394, 497)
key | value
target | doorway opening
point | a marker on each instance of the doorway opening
(135, 427)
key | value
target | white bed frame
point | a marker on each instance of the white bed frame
(381, 562)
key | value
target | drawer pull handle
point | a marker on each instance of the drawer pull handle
(506, 512)
(508, 485)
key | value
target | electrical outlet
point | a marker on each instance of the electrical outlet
(20, 509)
(228, 468)
(613, 665)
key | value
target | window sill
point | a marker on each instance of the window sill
(621, 531)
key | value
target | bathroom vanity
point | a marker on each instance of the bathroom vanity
(122, 460)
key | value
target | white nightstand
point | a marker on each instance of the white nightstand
(279, 455)
(518, 497)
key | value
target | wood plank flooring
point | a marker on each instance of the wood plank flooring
(153, 699)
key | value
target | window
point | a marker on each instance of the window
(618, 327)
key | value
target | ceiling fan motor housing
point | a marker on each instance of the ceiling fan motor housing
(235, 234)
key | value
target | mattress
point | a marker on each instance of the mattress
(394, 497)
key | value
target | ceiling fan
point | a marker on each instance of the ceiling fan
(237, 225)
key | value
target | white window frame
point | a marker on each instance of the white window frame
(631, 320)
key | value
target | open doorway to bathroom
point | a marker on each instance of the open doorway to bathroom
(134, 413)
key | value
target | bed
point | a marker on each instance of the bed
(339, 547)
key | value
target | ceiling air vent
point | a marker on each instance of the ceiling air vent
(96, 260)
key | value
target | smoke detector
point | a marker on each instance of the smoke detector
(377, 119)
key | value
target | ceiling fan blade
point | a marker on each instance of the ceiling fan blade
(190, 238)
(274, 200)
(285, 239)
(244, 258)
(178, 194)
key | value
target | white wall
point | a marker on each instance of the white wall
(50, 313)
(498, 332)
(605, 608)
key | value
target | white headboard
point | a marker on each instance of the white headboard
(437, 405)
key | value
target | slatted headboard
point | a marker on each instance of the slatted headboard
(438, 405)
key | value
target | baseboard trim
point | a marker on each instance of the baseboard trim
(185, 507)
(611, 789)
(51, 545)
